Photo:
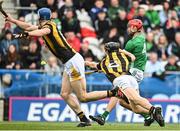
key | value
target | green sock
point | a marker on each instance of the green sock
(146, 116)
(105, 114)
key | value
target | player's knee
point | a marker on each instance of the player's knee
(64, 95)
(137, 100)
(121, 102)
(83, 98)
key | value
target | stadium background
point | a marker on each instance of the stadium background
(31, 76)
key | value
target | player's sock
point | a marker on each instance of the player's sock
(108, 93)
(105, 114)
(151, 111)
(148, 120)
(146, 116)
(82, 117)
(112, 92)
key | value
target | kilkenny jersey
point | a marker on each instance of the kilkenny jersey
(114, 65)
(56, 42)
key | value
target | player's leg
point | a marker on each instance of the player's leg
(148, 120)
(138, 74)
(136, 100)
(66, 91)
(125, 103)
(129, 87)
(101, 118)
(76, 74)
(113, 101)
(137, 108)
(141, 105)
(71, 100)
(79, 88)
(111, 105)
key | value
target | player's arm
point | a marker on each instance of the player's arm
(21, 24)
(128, 54)
(91, 64)
(94, 65)
(38, 33)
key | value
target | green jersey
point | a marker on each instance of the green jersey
(137, 47)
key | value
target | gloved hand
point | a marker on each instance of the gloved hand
(20, 35)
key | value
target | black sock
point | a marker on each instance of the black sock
(114, 91)
(108, 91)
(82, 117)
(151, 111)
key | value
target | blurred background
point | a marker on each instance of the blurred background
(30, 73)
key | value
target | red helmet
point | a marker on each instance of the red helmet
(136, 22)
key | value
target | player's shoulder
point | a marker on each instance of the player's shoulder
(139, 38)
(50, 22)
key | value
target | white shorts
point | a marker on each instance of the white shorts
(137, 74)
(75, 67)
(126, 81)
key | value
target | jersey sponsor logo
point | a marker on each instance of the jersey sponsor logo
(113, 64)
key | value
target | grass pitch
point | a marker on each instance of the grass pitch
(72, 126)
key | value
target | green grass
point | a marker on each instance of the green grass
(72, 126)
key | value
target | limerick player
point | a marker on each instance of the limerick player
(136, 45)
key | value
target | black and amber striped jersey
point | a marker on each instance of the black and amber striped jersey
(114, 64)
(56, 42)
